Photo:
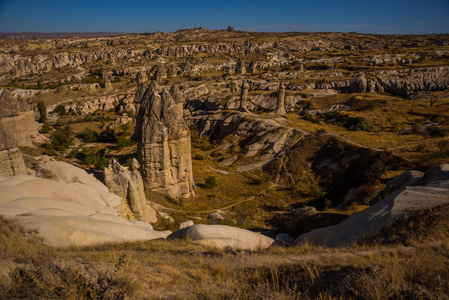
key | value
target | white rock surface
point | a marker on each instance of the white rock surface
(186, 224)
(69, 214)
(67, 173)
(222, 236)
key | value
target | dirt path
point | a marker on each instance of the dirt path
(228, 206)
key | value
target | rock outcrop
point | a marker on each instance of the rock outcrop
(100, 103)
(171, 71)
(163, 144)
(244, 97)
(403, 82)
(280, 108)
(161, 73)
(252, 67)
(359, 84)
(129, 185)
(396, 204)
(177, 96)
(141, 77)
(11, 161)
(18, 118)
(240, 67)
(69, 213)
(221, 236)
(107, 84)
(67, 173)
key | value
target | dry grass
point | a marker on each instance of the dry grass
(179, 270)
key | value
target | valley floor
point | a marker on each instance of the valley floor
(402, 262)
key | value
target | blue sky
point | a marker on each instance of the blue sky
(394, 16)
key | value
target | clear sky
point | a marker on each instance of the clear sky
(382, 16)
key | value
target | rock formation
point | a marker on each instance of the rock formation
(222, 236)
(67, 173)
(70, 213)
(171, 72)
(187, 67)
(280, 108)
(161, 73)
(107, 84)
(240, 67)
(18, 118)
(129, 185)
(163, 144)
(359, 84)
(11, 161)
(252, 67)
(178, 97)
(244, 96)
(395, 204)
(141, 77)
(142, 89)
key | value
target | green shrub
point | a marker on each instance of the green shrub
(45, 128)
(316, 192)
(97, 159)
(128, 162)
(50, 150)
(264, 178)
(125, 129)
(310, 118)
(108, 135)
(123, 142)
(367, 126)
(211, 182)
(88, 118)
(203, 143)
(73, 153)
(60, 110)
(89, 135)
(62, 138)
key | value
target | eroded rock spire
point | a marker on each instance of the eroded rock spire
(163, 140)
(244, 96)
(280, 108)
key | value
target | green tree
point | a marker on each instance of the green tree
(108, 135)
(62, 138)
(42, 111)
(89, 135)
(211, 182)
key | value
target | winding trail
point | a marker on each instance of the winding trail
(158, 206)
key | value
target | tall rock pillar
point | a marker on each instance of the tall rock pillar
(244, 96)
(280, 109)
(163, 145)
